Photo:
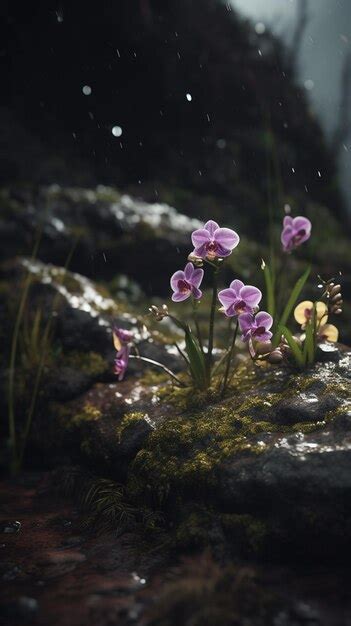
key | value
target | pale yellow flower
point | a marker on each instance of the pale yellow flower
(304, 311)
(328, 332)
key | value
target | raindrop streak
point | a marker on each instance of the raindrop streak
(189, 97)
(116, 131)
(87, 90)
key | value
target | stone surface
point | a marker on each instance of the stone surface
(107, 579)
(111, 233)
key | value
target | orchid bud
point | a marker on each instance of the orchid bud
(196, 260)
(159, 312)
(334, 290)
(275, 357)
(263, 347)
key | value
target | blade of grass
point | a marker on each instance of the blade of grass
(295, 349)
(291, 303)
(269, 281)
(13, 356)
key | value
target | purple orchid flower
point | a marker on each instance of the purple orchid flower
(121, 362)
(186, 283)
(239, 298)
(212, 242)
(124, 336)
(256, 327)
(121, 340)
(295, 231)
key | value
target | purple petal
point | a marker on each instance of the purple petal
(197, 277)
(264, 319)
(251, 295)
(197, 293)
(188, 271)
(226, 237)
(302, 223)
(236, 285)
(286, 237)
(211, 227)
(266, 336)
(200, 237)
(287, 221)
(221, 251)
(179, 275)
(179, 297)
(201, 251)
(227, 297)
(246, 322)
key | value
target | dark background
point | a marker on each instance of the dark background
(247, 132)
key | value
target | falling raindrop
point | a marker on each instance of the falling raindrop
(309, 84)
(87, 90)
(260, 28)
(189, 97)
(116, 131)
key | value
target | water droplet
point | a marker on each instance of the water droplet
(309, 84)
(189, 97)
(116, 131)
(260, 28)
(87, 90)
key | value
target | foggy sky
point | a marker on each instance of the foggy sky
(327, 40)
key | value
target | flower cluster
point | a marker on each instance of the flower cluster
(265, 332)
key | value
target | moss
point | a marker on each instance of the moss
(128, 420)
(187, 449)
(89, 414)
(90, 363)
(246, 531)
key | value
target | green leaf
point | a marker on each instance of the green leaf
(269, 280)
(291, 303)
(196, 360)
(295, 349)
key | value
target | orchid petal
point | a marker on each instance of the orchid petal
(201, 251)
(264, 319)
(197, 293)
(197, 277)
(246, 322)
(250, 295)
(227, 297)
(179, 297)
(200, 237)
(179, 275)
(188, 271)
(211, 226)
(300, 311)
(227, 238)
(236, 285)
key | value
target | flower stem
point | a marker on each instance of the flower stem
(196, 322)
(157, 364)
(229, 360)
(212, 320)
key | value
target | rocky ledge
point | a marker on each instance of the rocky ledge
(267, 467)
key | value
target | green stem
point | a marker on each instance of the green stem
(13, 354)
(197, 327)
(46, 339)
(212, 320)
(229, 360)
(157, 364)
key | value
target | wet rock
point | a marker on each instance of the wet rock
(111, 232)
(11, 528)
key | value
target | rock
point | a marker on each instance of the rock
(11, 528)
(110, 232)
